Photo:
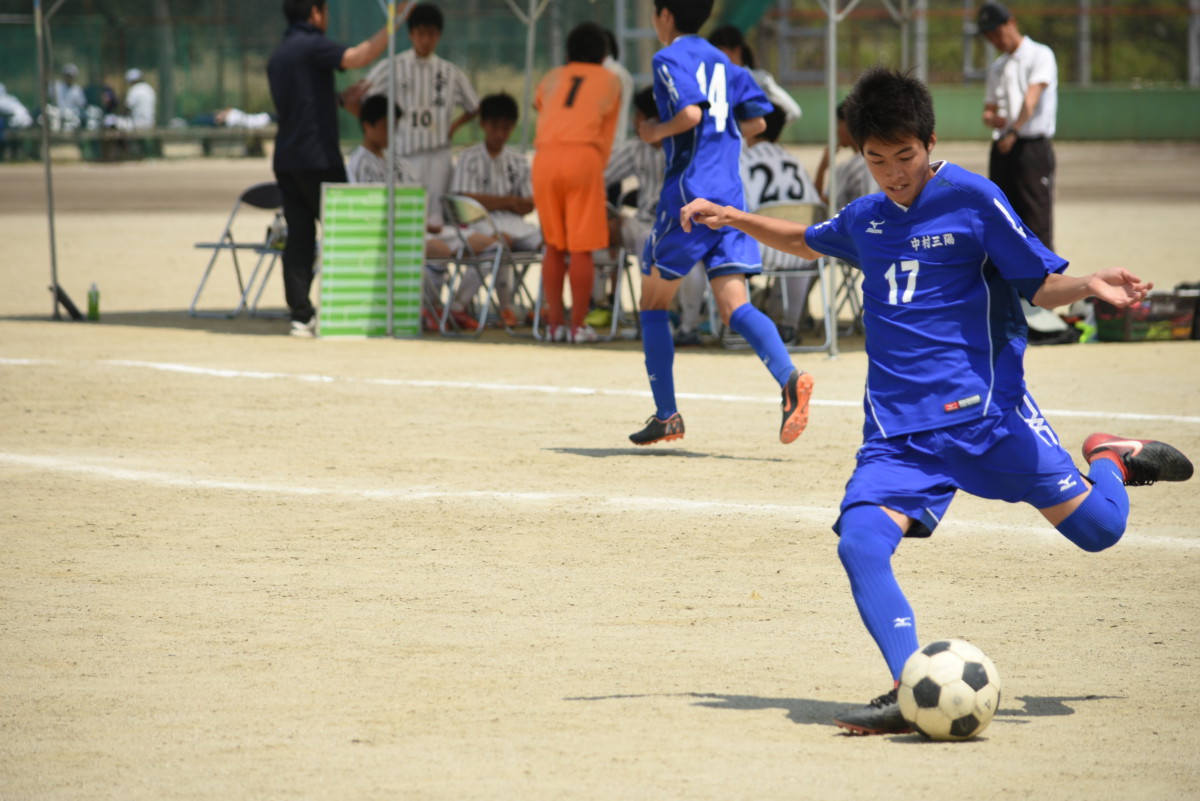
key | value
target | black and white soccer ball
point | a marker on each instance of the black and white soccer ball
(949, 690)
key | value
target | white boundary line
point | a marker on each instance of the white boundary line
(821, 515)
(213, 372)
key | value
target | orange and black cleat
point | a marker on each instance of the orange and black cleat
(659, 430)
(796, 394)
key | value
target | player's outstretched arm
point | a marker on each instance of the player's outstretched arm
(1116, 285)
(779, 234)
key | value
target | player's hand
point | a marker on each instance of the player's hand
(648, 132)
(704, 212)
(1119, 287)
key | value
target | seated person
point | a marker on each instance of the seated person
(646, 163)
(853, 178)
(368, 164)
(498, 177)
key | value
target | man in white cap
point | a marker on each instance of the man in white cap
(140, 99)
(1020, 105)
(67, 95)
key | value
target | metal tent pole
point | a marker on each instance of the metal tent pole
(831, 12)
(391, 170)
(39, 24)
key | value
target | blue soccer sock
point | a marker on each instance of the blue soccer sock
(659, 348)
(869, 538)
(1099, 521)
(763, 336)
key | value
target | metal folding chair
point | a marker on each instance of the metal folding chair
(466, 215)
(266, 197)
(779, 266)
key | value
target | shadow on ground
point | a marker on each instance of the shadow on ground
(815, 712)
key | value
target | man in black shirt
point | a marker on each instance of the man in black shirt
(307, 152)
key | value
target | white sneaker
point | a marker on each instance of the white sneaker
(308, 329)
(584, 333)
(559, 333)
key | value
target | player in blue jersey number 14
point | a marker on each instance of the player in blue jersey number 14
(944, 258)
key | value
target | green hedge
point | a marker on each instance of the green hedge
(1094, 113)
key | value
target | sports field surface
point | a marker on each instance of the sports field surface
(240, 565)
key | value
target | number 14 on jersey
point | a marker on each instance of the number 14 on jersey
(715, 91)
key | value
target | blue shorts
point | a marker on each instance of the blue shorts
(1014, 457)
(673, 251)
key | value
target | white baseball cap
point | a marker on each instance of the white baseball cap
(133, 75)
(70, 69)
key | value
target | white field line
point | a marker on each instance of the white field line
(548, 389)
(820, 515)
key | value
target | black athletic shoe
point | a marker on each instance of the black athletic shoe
(796, 393)
(881, 716)
(659, 430)
(1142, 461)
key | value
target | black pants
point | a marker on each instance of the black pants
(1026, 176)
(301, 190)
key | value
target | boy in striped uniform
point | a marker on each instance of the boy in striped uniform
(944, 259)
(429, 89)
(498, 177)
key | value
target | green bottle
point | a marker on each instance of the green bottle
(93, 303)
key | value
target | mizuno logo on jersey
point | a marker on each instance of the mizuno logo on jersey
(875, 229)
(1065, 484)
(1009, 217)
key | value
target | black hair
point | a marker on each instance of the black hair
(727, 37)
(374, 109)
(689, 14)
(841, 111)
(775, 120)
(586, 43)
(300, 10)
(644, 102)
(890, 106)
(610, 39)
(500, 106)
(426, 15)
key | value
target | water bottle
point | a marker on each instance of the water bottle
(93, 303)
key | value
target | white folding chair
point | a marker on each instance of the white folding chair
(466, 215)
(265, 197)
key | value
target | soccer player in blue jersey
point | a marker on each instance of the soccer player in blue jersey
(944, 258)
(702, 99)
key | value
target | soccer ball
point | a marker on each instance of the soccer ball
(949, 690)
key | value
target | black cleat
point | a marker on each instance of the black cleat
(796, 393)
(881, 716)
(1142, 461)
(659, 430)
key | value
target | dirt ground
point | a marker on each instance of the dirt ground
(241, 565)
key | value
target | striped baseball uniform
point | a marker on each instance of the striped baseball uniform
(477, 173)
(428, 91)
(641, 160)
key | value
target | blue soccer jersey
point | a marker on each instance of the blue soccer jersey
(945, 332)
(703, 162)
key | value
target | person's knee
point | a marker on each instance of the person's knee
(868, 537)
(1096, 525)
